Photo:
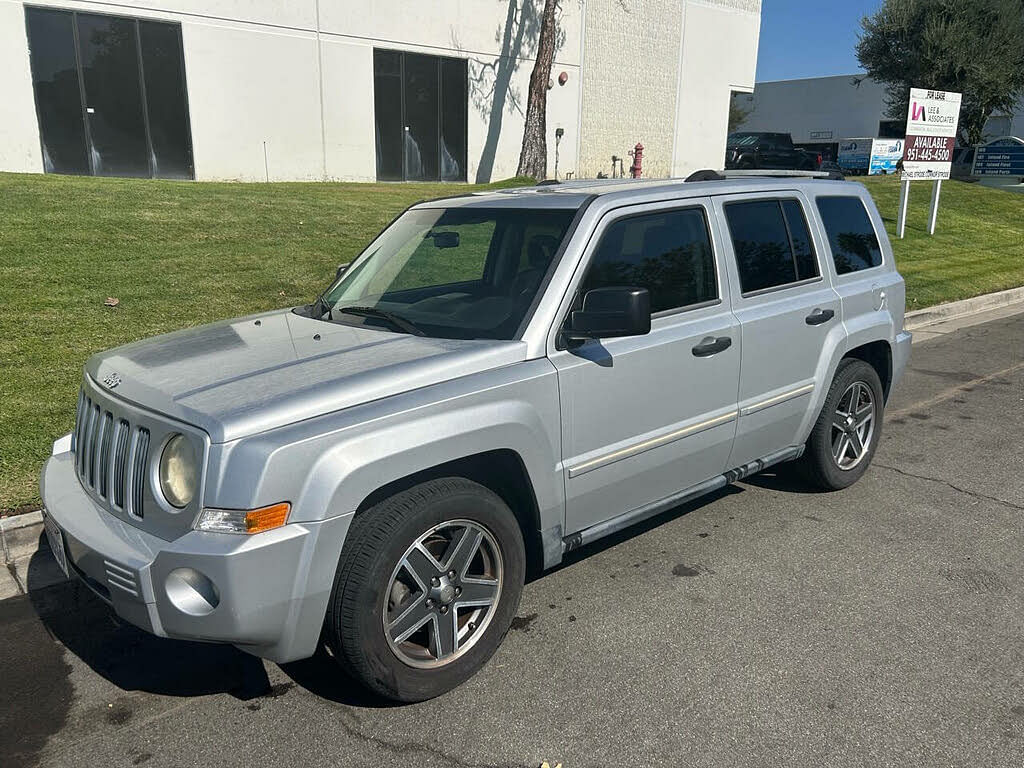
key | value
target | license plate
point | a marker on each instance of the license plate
(56, 539)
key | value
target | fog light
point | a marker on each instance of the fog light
(191, 592)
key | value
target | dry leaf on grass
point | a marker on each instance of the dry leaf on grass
(111, 301)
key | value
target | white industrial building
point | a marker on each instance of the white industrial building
(372, 90)
(822, 111)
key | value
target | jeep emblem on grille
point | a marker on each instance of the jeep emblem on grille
(111, 380)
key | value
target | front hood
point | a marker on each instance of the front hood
(240, 377)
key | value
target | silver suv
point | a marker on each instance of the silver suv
(497, 379)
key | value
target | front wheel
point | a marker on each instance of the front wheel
(427, 586)
(846, 434)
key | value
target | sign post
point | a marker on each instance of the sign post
(932, 118)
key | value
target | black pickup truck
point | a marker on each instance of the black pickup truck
(758, 149)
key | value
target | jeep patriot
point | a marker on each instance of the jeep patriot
(497, 379)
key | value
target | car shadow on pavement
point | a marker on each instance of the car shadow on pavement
(782, 477)
(132, 659)
(637, 529)
(323, 677)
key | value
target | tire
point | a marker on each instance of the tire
(819, 464)
(383, 578)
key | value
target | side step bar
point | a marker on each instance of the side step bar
(626, 519)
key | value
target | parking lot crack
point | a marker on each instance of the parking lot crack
(413, 747)
(954, 486)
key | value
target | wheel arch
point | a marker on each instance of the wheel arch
(502, 471)
(877, 354)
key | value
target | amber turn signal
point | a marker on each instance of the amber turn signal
(265, 518)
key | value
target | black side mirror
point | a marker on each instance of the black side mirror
(611, 312)
(342, 268)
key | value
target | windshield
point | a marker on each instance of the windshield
(459, 273)
(742, 139)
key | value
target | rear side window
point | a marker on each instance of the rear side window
(771, 242)
(850, 234)
(669, 253)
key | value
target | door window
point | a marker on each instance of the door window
(669, 253)
(772, 244)
(850, 234)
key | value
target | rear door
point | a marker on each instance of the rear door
(786, 308)
(644, 417)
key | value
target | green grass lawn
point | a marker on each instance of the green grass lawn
(178, 254)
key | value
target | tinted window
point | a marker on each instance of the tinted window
(668, 253)
(164, 78)
(420, 116)
(453, 119)
(422, 100)
(387, 107)
(771, 243)
(800, 239)
(113, 95)
(51, 39)
(131, 74)
(850, 234)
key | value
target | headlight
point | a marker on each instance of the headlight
(179, 473)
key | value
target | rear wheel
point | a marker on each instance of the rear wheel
(846, 434)
(427, 586)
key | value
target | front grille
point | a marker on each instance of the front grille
(111, 455)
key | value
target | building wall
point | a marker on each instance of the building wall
(630, 79)
(846, 106)
(719, 56)
(660, 72)
(284, 91)
(258, 109)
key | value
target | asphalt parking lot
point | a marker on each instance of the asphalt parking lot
(764, 625)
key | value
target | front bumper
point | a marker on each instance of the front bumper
(270, 590)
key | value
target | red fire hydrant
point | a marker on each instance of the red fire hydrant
(638, 161)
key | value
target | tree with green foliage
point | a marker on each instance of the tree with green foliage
(975, 48)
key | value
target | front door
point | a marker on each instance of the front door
(645, 417)
(786, 309)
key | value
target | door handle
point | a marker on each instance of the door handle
(819, 316)
(711, 346)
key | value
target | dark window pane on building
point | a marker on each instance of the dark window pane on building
(454, 103)
(422, 155)
(668, 253)
(51, 43)
(113, 95)
(387, 98)
(163, 71)
(803, 249)
(850, 234)
(761, 244)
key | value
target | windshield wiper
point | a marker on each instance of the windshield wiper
(396, 320)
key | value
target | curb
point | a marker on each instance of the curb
(19, 535)
(920, 318)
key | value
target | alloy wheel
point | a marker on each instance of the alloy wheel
(443, 594)
(853, 425)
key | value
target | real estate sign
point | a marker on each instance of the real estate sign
(932, 118)
(885, 156)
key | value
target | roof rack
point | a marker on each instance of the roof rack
(709, 175)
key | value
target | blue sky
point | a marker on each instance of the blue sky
(803, 38)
